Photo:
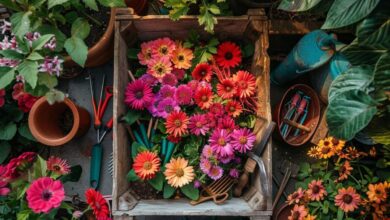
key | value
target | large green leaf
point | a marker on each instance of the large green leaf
(60, 37)
(8, 131)
(349, 112)
(29, 70)
(380, 39)
(355, 78)
(74, 175)
(359, 55)
(382, 72)
(39, 168)
(6, 78)
(91, 4)
(39, 43)
(344, 13)
(11, 4)
(5, 149)
(132, 176)
(80, 28)
(168, 191)
(298, 5)
(52, 3)
(25, 132)
(379, 129)
(77, 49)
(369, 25)
(157, 182)
(20, 23)
(189, 191)
(112, 3)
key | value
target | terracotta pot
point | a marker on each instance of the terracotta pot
(313, 116)
(102, 51)
(45, 122)
(140, 6)
(283, 212)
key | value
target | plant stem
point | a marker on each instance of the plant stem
(98, 23)
(355, 180)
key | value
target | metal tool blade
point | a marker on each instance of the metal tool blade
(259, 149)
(262, 172)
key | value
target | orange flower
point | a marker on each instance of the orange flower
(177, 123)
(347, 199)
(182, 57)
(246, 84)
(146, 165)
(325, 148)
(377, 193)
(345, 171)
(352, 153)
(298, 213)
(178, 173)
(372, 152)
(338, 145)
(316, 191)
(379, 211)
(296, 196)
(226, 88)
(313, 152)
(310, 217)
(204, 97)
(233, 108)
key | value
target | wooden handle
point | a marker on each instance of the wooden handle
(201, 199)
(249, 167)
(296, 125)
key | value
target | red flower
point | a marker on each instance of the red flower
(228, 55)
(173, 139)
(226, 89)
(233, 108)
(2, 98)
(146, 165)
(26, 101)
(177, 124)
(204, 98)
(246, 84)
(202, 72)
(18, 90)
(98, 204)
(18, 165)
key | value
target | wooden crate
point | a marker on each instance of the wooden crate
(128, 29)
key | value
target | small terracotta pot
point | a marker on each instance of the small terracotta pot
(102, 51)
(140, 6)
(45, 121)
(283, 212)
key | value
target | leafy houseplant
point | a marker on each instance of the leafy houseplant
(359, 98)
(51, 16)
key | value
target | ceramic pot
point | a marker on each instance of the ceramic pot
(102, 51)
(140, 6)
(283, 212)
(45, 121)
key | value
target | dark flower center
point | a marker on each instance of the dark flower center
(160, 70)
(180, 58)
(343, 169)
(326, 143)
(378, 192)
(325, 150)
(203, 72)
(46, 195)
(56, 167)
(164, 50)
(198, 124)
(168, 108)
(243, 85)
(232, 109)
(179, 172)
(177, 123)
(296, 215)
(228, 55)
(204, 98)
(295, 195)
(316, 189)
(228, 88)
(347, 199)
(335, 141)
(139, 94)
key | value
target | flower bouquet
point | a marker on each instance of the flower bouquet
(200, 104)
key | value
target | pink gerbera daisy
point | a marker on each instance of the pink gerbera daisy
(215, 172)
(220, 143)
(179, 73)
(149, 79)
(18, 165)
(159, 68)
(145, 55)
(205, 165)
(227, 123)
(169, 79)
(207, 151)
(167, 91)
(243, 140)
(167, 106)
(347, 199)
(138, 95)
(58, 165)
(217, 109)
(193, 84)
(45, 194)
(163, 48)
(198, 125)
(183, 95)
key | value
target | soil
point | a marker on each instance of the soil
(66, 121)
(145, 191)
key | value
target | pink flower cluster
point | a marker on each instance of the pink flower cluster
(17, 166)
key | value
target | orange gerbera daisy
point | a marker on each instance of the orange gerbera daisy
(345, 171)
(299, 212)
(202, 72)
(296, 196)
(146, 165)
(233, 108)
(310, 217)
(347, 199)
(204, 97)
(178, 173)
(377, 193)
(177, 123)
(246, 84)
(226, 88)
(182, 57)
(316, 191)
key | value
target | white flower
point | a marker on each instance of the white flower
(6, 26)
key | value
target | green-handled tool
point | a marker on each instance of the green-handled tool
(96, 163)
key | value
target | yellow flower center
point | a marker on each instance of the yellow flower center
(221, 141)
(179, 172)
(177, 123)
(147, 165)
(243, 140)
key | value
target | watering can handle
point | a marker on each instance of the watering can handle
(96, 162)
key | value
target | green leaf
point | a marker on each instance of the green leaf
(214, 9)
(343, 13)
(47, 80)
(349, 112)
(23, 214)
(29, 70)
(60, 37)
(379, 129)
(6, 78)
(39, 168)
(80, 28)
(135, 148)
(380, 38)
(40, 42)
(157, 182)
(355, 78)
(369, 25)
(340, 214)
(131, 176)
(325, 207)
(132, 53)
(25, 132)
(11, 54)
(20, 23)
(35, 56)
(112, 3)
(177, 12)
(54, 96)
(74, 175)
(131, 117)
(168, 191)
(360, 55)
(5, 149)
(91, 4)
(191, 192)
(11, 4)
(77, 49)
(207, 19)
(52, 3)
(382, 72)
(8, 131)
(297, 6)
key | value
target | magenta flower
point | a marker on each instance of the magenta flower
(166, 106)
(227, 123)
(237, 160)
(8, 62)
(220, 143)
(207, 151)
(4, 190)
(51, 65)
(18, 165)
(31, 37)
(2, 97)
(45, 194)
(6, 26)
(217, 109)
(183, 95)
(179, 73)
(149, 79)
(226, 159)
(169, 79)
(198, 125)
(243, 140)
(193, 84)
(52, 44)
(213, 121)
(138, 95)
(205, 165)
(167, 91)
(215, 173)
(234, 173)
(197, 184)
(152, 106)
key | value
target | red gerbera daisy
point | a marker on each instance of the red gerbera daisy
(202, 72)
(204, 97)
(138, 94)
(226, 88)
(246, 84)
(228, 55)
(177, 124)
(146, 165)
(98, 204)
(233, 108)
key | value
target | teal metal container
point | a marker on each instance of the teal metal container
(312, 51)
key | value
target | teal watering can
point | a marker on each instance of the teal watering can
(312, 51)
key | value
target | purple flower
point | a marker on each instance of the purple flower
(31, 37)
(226, 159)
(198, 125)
(51, 45)
(169, 79)
(197, 184)
(149, 79)
(234, 173)
(8, 62)
(152, 108)
(205, 165)
(243, 140)
(166, 106)
(9, 44)
(220, 143)
(215, 173)
(237, 160)
(51, 65)
(167, 91)
(6, 26)
(184, 95)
